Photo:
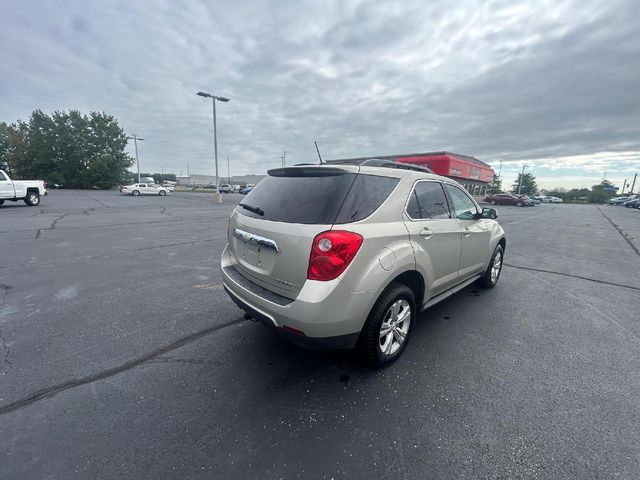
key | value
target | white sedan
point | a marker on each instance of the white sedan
(144, 189)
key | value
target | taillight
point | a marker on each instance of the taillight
(331, 254)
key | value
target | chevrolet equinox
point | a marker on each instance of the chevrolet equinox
(346, 255)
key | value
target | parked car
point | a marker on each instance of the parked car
(508, 199)
(29, 191)
(246, 190)
(339, 256)
(225, 188)
(532, 200)
(144, 189)
(620, 200)
(170, 187)
(549, 199)
(633, 203)
(235, 188)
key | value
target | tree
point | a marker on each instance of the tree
(4, 146)
(602, 192)
(162, 177)
(495, 186)
(528, 187)
(69, 148)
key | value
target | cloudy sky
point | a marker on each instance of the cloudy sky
(553, 85)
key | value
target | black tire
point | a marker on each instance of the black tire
(492, 202)
(487, 281)
(369, 341)
(1, 202)
(32, 199)
(135, 193)
(162, 193)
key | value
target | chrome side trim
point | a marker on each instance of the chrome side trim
(255, 239)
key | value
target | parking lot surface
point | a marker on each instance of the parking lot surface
(122, 357)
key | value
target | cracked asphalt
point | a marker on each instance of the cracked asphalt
(121, 357)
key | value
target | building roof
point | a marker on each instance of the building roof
(424, 154)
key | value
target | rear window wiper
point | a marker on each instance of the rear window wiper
(252, 208)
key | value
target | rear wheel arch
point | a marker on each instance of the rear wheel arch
(412, 279)
(32, 198)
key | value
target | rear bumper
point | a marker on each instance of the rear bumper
(315, 343)
(329, 313)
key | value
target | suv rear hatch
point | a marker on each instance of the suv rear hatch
(272, 230)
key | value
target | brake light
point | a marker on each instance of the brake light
(331, 254)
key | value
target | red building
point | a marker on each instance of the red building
(474, 174)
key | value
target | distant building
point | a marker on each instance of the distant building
(241, 180)
(474, 174)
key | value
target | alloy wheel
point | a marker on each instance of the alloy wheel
(395, 327)
(495, 268)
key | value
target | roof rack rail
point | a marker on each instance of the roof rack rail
(380, 162)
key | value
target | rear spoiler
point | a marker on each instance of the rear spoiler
(307, 171)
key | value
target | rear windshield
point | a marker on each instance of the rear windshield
(325, 200)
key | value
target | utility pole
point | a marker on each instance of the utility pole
(228, 171)
(284, 159)
(521, 178)
(500, 171)
(135, 139)
(188, 174)
(624, 185)
(162, 172)
(634, 182)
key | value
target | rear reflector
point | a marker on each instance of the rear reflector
(295, 331)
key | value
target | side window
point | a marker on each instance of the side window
(366, 195)
(463, 206)
(428, 202)
(3, 178)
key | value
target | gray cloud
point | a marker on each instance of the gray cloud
(500, 80)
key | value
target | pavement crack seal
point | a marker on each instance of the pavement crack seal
(76, 382)
(52, 226)
(177, 244)
(7, 350)
(621, 232)
(540, 270)
(96, 200)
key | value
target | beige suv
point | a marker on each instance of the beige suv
(346, 255)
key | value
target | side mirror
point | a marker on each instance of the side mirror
(490, 213)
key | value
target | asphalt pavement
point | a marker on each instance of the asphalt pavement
(122, 357)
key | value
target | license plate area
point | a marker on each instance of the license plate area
(254, 252)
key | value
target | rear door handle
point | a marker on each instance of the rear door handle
(466, 231)
(425, 233)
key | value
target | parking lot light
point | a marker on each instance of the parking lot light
(215, 98)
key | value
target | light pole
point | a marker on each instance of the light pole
(228, 171)
(521, 178)
(135, 139)
(215, 137)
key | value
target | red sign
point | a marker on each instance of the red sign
(452, 166)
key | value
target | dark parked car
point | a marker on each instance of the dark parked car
(508, 199)
(635, 203)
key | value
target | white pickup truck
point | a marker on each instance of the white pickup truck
(28, 190)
